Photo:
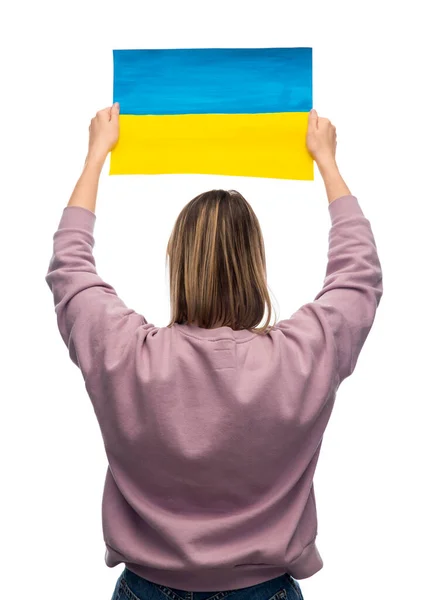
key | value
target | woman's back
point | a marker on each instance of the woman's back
(213, 435)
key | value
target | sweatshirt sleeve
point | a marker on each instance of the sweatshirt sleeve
(93, 321)
(340, 318)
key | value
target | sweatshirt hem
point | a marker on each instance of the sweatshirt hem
(221, 579)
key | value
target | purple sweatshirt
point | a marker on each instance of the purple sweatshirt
(213, 435)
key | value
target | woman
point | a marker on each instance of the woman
(212, 426)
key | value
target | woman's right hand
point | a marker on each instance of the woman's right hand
(321, 139)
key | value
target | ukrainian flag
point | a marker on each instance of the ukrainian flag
(223, 111)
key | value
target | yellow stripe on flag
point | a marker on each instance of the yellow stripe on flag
(253, 145)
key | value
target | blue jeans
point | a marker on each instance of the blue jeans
(130, 586)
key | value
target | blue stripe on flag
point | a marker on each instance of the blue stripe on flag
(213, 80)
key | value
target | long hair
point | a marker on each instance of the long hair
(217, 264)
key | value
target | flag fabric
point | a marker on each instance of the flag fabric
(224, 111)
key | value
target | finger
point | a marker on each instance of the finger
(312, 119)
(114, 113)
(104, 113)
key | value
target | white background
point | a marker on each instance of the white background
(57, 69)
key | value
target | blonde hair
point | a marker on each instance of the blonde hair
(217, 264)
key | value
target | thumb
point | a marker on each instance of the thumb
(114, 113)
(312, 118)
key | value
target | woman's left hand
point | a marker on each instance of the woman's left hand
(104, 133)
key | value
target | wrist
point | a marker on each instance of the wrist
(327, 166)
(95, 161)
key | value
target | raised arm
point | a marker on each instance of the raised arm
(321, 143)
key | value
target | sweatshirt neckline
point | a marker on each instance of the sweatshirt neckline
(216, 333)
